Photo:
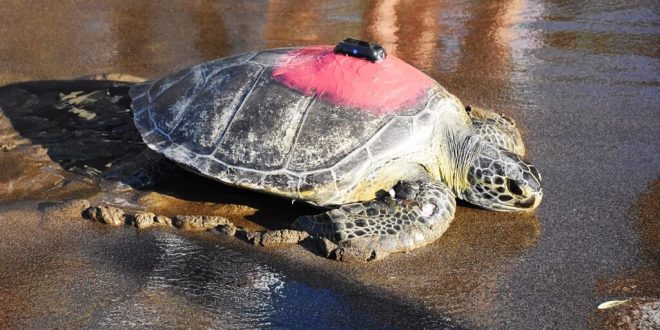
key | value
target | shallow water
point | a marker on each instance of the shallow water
(121, 278)
(581, 78)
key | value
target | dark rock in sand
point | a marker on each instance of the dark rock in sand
(162, 220)
(106, 214)
(143, 219)
(198, 222)
(7, 146)
(268, 238)
(252, 237)
(228, 229)
(282, 236)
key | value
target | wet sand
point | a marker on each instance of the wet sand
(581, 79)
(641, 283)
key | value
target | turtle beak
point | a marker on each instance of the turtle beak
(532, 202)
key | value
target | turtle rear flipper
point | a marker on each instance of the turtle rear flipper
(418, 214)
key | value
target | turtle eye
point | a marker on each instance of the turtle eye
(514, 187)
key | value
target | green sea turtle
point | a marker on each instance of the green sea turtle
(382, 146)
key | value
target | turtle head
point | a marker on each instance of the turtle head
(501, 180)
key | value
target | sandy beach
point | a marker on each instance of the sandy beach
(580, 79)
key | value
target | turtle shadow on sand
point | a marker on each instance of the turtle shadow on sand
(90, 138)
(77, 139)
(193, 194)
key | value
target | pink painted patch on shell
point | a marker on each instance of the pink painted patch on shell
(379, 88)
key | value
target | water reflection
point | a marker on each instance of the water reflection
(466, 46)
(224, 288)
(292, 23)
(211, 38)
(245, 24)
(384, 24)
(159, 279)
(480, 64)
(124, 22)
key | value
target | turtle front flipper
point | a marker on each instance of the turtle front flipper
(497, 129)
(417, 214)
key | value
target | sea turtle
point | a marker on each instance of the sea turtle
(381, 146)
